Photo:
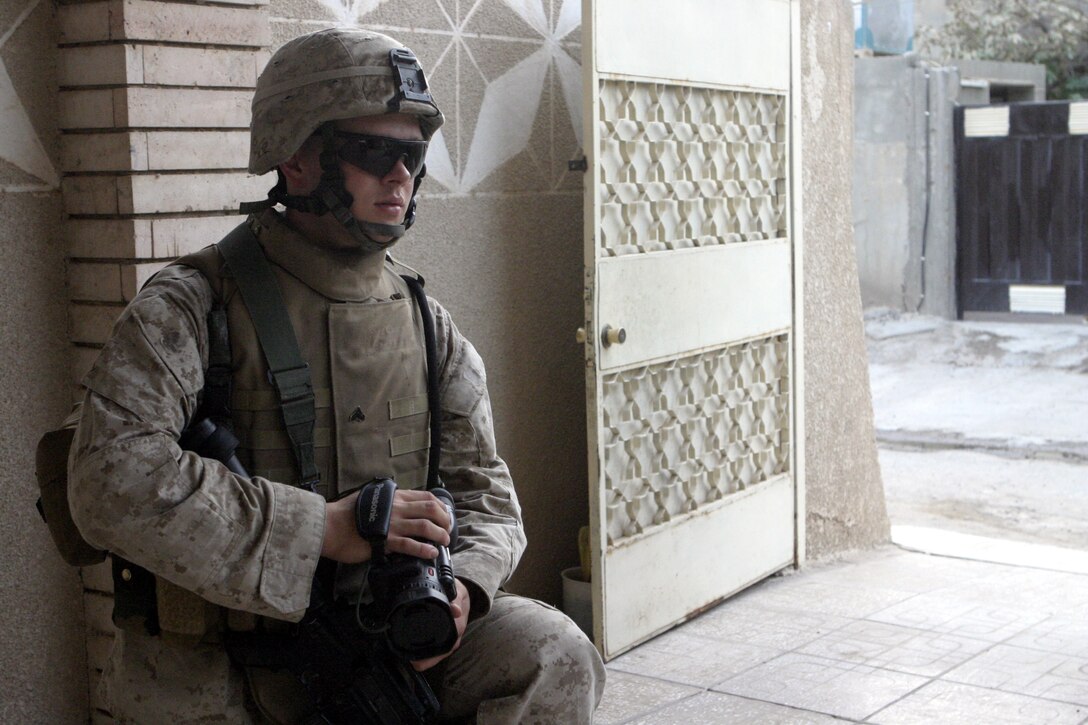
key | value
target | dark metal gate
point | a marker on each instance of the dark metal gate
(1021, 220)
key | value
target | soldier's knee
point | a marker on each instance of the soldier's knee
(571, 673)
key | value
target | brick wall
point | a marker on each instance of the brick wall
(154, 116)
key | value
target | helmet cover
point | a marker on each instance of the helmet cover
(330, 75)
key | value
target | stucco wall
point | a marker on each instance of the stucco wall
(845, 497)
(42, 651)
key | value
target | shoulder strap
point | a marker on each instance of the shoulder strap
(433, 401)
(289, 374)
(215, 402)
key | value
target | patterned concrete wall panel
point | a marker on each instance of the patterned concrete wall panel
(27, 114)
(506, 73)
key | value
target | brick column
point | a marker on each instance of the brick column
(154, 118)
(154, 115)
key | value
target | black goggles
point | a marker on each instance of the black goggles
(378, 155)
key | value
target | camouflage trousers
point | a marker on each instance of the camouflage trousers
(525, 662)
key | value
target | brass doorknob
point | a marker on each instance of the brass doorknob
(580, 335)
(612, 336)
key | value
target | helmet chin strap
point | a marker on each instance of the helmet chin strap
(332, 197)
(332, 193)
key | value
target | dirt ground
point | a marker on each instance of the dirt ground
(982, 427)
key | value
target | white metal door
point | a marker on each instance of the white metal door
(692, 263)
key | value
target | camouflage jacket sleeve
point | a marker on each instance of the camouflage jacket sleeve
(491, 537)
(248, 544)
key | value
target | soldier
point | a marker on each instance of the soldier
(344, 116)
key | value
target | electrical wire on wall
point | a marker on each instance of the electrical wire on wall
(928, 190)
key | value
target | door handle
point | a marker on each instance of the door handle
(612, 336)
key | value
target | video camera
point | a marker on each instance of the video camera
(410, 596)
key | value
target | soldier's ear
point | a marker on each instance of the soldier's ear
(302, 169)
(296, 172)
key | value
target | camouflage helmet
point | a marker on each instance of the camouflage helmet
(329, 75)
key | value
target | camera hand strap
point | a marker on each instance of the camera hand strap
(373, 512)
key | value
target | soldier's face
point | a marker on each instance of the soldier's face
(380, 199)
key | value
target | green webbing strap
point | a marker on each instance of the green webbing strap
(287, 371)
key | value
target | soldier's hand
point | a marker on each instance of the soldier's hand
(416, 515)
(460, 608)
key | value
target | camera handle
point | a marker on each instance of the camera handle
(444, 563)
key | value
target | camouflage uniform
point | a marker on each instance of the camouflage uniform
(252, 545)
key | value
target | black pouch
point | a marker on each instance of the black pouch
(51, 470)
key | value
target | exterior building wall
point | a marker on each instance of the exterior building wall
(42, 653)
(904, 172)
(982, 80)
(904, 190)
(153, 109)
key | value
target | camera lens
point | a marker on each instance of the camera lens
(422, 628)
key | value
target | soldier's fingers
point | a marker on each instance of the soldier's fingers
(411, 547)
(429, 508)
(420, 529)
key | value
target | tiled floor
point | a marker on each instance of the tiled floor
(887, 636)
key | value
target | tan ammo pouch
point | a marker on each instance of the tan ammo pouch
(183, 617)
(187, 619)
(51, 470)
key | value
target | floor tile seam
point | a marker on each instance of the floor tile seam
(843, 662)
(813, 577)
(890, 668)
(662, 706)
(663, 680)
(1015, 692)
(808, 709)
(912, 597)
(781, 651)
(931, 630)
(749, 698)
(983, 652)
(928, 681)
(1083, 657)
(868, 613)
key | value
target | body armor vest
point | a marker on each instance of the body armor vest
(367, 366)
